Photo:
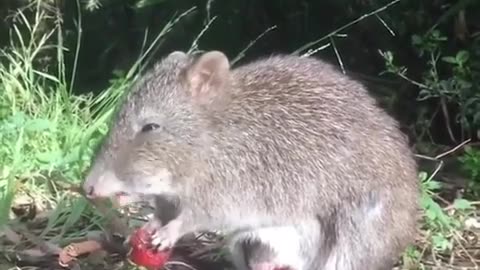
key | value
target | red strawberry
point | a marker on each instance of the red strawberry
(142, 255)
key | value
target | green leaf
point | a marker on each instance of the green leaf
(39, 124)
(76, 210)
(422, 176)
(425, 201)
(440, 242)
(49, 157)
(449, 59)
(462, 56)
(462, 204)
(47, 76)
(433, 185)
(73, 154)
(434, 212)
(416, 40)
(18, 119)
(431, 215)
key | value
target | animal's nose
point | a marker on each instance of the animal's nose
(89, 191)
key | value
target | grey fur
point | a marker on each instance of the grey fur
(288, 141)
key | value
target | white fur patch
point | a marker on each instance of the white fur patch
(376, 211)
(108, 185)
(285, 241)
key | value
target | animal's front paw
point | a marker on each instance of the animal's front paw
(165, 237)
(153, 225)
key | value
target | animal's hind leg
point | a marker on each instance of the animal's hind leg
(236, 248)
(372, 234)
(273, 248)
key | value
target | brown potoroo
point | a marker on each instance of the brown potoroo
(291, 158)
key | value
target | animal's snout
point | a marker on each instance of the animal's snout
(105, 184)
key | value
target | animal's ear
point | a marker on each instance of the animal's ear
(177, 55)
(170, 61)
(208, 74)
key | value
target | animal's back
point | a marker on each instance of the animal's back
(298, 126)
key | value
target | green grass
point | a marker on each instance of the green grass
(47, 134)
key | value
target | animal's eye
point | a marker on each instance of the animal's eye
(150, 127)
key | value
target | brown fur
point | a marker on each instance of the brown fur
(281, 141)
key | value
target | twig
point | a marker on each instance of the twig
(339, 59)
(425, 130)
(208, 7)
(154, 45)
(194, 46)
(43, 245)
(447, 119)
(456, 236)
(338, 30)
(446, 153)
(385, 25)
(241, 54)
(438, 158)
(312, 52)
(452, 207)
(77, 48)
(453, 149)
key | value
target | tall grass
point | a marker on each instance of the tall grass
(47, 134)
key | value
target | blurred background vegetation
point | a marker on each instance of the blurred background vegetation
(65, 63)
(437, 41)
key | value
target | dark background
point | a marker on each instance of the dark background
(113, 35)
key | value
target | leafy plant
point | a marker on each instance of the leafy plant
(470, 161)
(448, 79)
(438, 223)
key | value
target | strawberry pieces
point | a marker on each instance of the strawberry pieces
(141, 253)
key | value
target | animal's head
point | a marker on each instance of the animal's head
(153, 138)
